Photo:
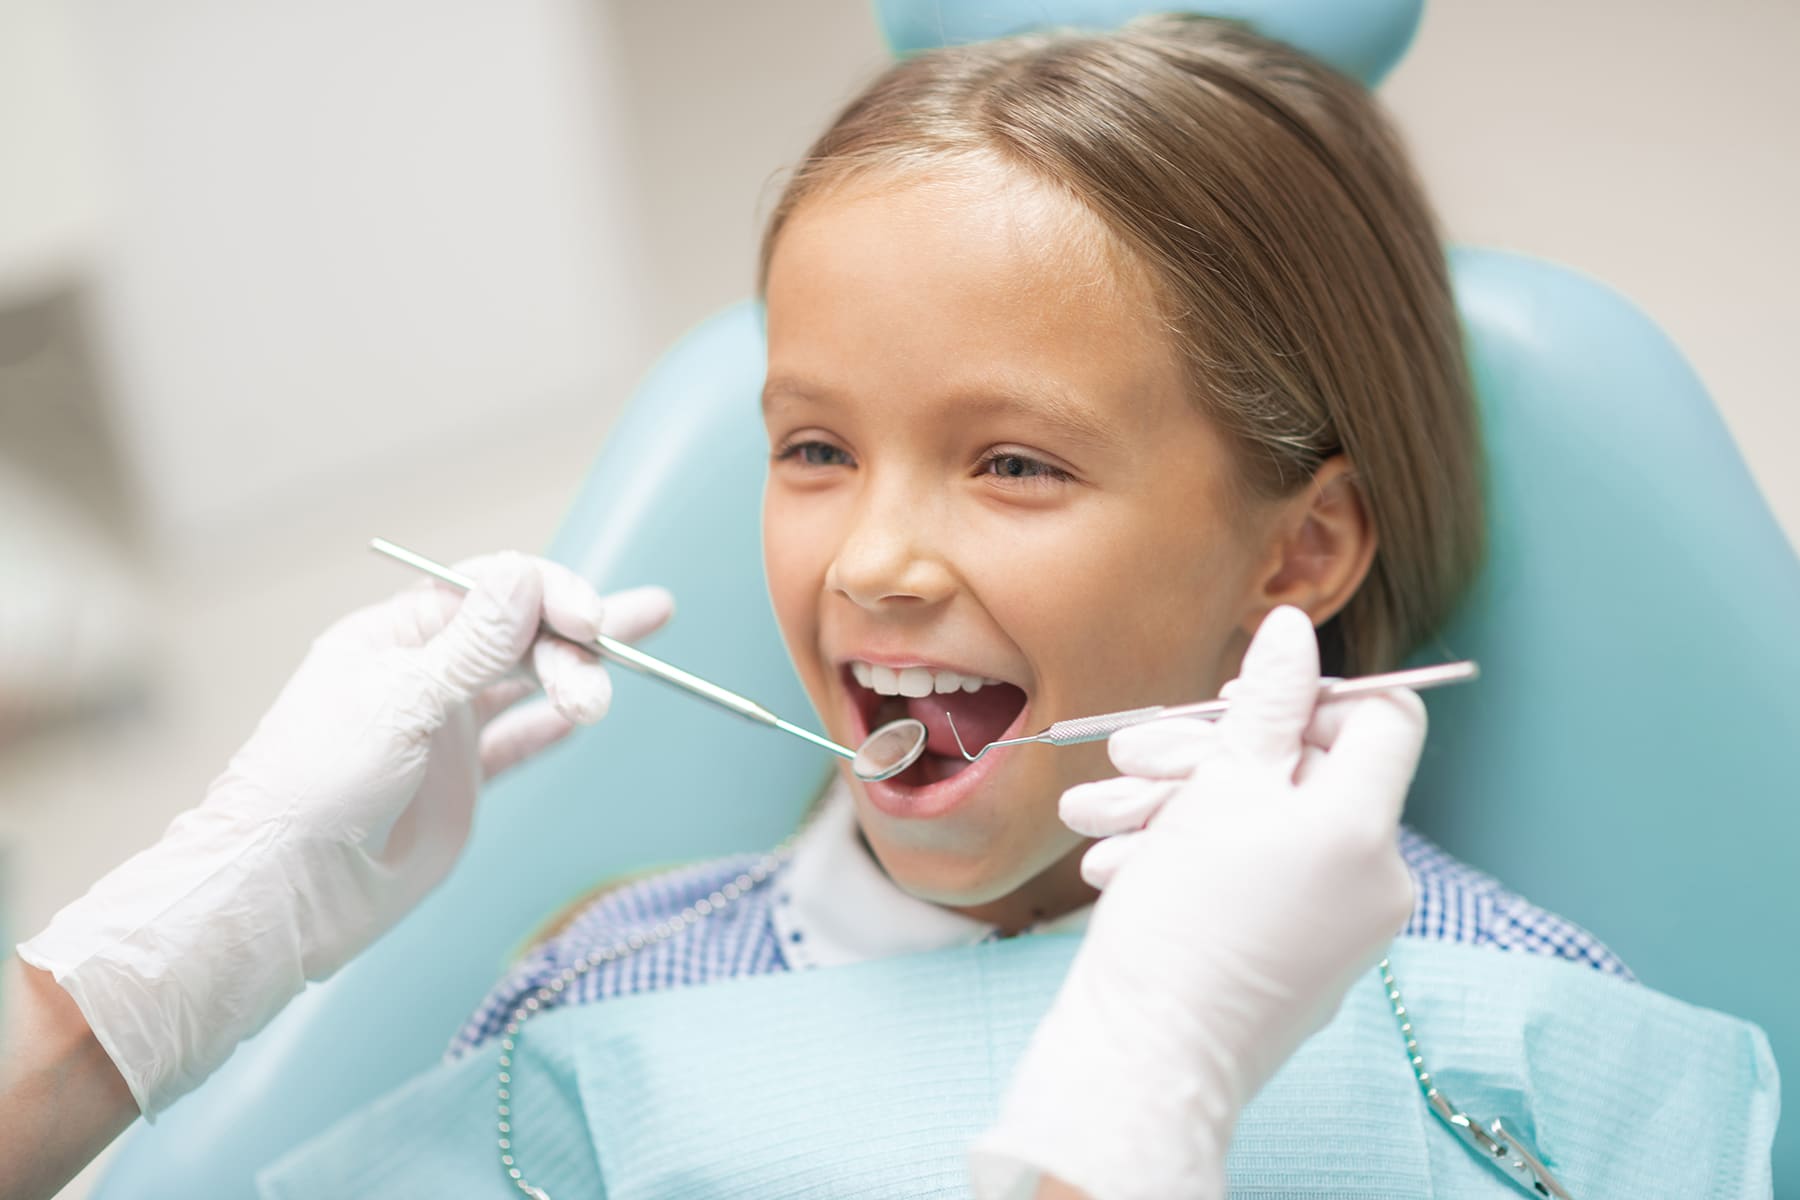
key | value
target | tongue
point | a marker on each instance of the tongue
(981, 717)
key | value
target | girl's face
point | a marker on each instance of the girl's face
(985, 467)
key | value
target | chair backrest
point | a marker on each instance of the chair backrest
(1628, 757)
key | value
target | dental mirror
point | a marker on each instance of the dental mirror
(889, 750)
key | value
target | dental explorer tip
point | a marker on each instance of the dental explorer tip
(957, 736)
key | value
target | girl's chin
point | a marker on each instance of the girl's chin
(952, 868)
(936, 861)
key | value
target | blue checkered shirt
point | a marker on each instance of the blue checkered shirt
(1454, 903)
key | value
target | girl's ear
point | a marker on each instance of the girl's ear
(1322, 545)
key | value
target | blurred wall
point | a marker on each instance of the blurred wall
(1649, 143)
(719, 99)
(347, 235)
(49, 196)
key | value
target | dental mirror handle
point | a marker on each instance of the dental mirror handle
(1092, 729)
(628, 655)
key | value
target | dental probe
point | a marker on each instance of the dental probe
(630, 656)
(1092, 729)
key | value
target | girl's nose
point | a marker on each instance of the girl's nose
(889, 556)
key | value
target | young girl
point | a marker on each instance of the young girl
(1085, 352)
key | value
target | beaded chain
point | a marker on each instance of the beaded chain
(546, 994)
(1495, 1144)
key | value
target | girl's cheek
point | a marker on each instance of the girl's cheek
(780, 563)
(797, 550)
(798, 547)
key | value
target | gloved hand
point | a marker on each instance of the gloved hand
(349, 802)
(1251, 871)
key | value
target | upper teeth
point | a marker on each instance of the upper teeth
(914, 681)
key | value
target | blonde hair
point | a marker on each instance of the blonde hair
(1298, 264)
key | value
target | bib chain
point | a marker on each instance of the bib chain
(546, 995)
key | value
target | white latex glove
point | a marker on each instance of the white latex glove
(350, 801)
(1251, 871)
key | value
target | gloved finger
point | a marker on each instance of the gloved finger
(1327, 722)
(636, 612)
(501, 696)
(573, 679)
(427, 608)
(1167, 749)
(1273, 697)
(517, 734)
(571, 605)
(409, 617)
(1109, 806)
(492, 627)
(1103, 859)
(1231, 685)
(1321, 733)
(1376, 750)
(1311, 757)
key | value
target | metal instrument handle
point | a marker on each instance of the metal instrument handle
(1093, 729)
(628, 655)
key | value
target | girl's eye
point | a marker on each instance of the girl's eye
(814, 454)
(1005, 465)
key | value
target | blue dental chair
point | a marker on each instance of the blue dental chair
(1624, 760)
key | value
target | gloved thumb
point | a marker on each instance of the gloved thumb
(1273, 697)
(491, 631)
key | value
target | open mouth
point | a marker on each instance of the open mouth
(985, 710)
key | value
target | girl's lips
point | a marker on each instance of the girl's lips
(935, 799)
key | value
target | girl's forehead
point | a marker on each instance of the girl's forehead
(975, 213)
(995, 269)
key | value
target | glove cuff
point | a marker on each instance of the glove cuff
(170, 962)
(1105, 1101)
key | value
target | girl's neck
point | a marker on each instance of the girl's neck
(1047, 896)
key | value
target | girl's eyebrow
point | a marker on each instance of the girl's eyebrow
(1057, 409)
(1060, 411)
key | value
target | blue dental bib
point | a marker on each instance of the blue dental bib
(871, 1080)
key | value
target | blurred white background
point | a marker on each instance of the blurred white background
(274, 278)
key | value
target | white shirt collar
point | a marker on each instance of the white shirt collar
(835, 905)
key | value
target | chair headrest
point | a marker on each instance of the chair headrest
(1361, 38)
